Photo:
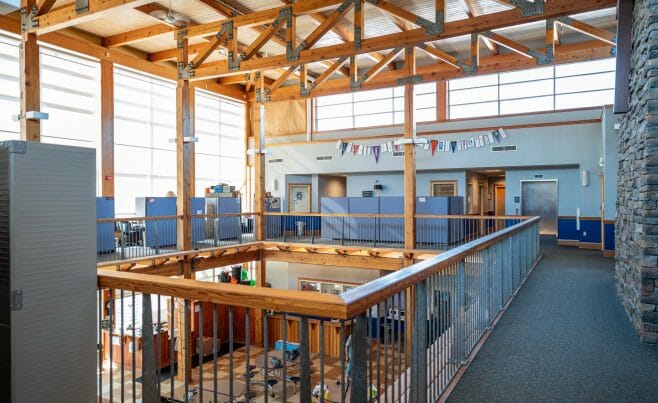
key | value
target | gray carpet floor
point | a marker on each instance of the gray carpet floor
(565, 338)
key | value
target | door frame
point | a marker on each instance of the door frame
(496, 187)
(557, 200)
(310, 195)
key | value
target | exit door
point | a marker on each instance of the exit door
(539, 198)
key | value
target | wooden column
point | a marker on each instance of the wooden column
(107, 128)
(184, 129)
(409, 151)
(441, 100)
(258, 129)
(192, 151)
(29, 81)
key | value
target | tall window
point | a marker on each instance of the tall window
(144, 123)
(219, 154)
(540, 89)
(70, 85)
(373, 108)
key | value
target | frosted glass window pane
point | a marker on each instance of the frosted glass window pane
(334, 123)
(584, 99)
(132, 160)
(373, 94)
(474, 110)
(426, 115)
(333, 111)
(472, 82)
(594, 66)
(398, 91)
(9, 85)
(126, 188)
(425, 100)
(379, 119)
(132, 132)
(208, 144)
(473, 95)
(529, 89)
(164, 163)
(399, 118)
(526, 75)
(381, 105)
(526, 105)
(590, 82)
(398, 104)
(425, 88)
(9, 108)
(334, 99)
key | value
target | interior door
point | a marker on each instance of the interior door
(499, 201)
(299, 198)
(539, 198)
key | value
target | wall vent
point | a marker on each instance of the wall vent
(398, 153)
(276, 160)
(324, 158)
(503, 148)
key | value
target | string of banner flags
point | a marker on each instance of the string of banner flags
(435, 146)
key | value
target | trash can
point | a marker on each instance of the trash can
(301, 226)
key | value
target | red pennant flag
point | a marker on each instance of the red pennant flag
(434, 144)
(355, 148)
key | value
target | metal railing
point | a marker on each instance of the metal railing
(400, 337)
(127, 238)
(213, 230)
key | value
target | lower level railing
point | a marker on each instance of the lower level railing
(402, 337)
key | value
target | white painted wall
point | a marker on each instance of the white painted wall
(284, 275)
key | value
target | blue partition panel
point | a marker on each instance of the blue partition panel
(590, 231)
(159, 233)
(333, 227)
(391, 229)
(273, 223)
(105, 231)
(432, 230)
(609, 229)
(198, 206)
(229, 227)
(363, 228)
(566, 229)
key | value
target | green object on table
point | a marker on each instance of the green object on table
(252, 283)
(245, 274)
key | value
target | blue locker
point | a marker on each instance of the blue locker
(391, 229)
(226, 227)
(105, 231)
(160, 233)
(333, 227)
(363, 228)
(198, 206)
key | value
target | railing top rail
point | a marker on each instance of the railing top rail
(219, 215)
(475, 217)
(333, 247)
(345, 306)
(353, 215)
(120, 219)
(291, 301)
(361, 298)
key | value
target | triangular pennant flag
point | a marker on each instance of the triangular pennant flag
(343, 147)
(376, 150)
(339, 144)
(434, 144)
(481, 140)
(502, 133)
(453, 146)
(471, 142)
(496, 135)
(491, 138)
(355, 148)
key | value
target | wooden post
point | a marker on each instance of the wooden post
(441, 100)
(29, 81)
(184, 129)
(259, 196)
(409, 150)
(107, 128)
(409, 180)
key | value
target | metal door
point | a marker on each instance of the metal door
(539, 198)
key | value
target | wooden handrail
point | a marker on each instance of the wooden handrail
(121, 219)
(220, 215)
(470, 217)
(344, 306)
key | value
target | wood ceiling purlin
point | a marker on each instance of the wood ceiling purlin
(587, 29)
(565, 53)
(483, 23)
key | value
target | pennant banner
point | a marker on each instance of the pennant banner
(434, 146)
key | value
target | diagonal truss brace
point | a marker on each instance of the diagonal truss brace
(430, 27)
(368, 75)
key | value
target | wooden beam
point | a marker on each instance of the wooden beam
(409, 150)
(568, 53)
(184, 131)
(510, 44)
(587, 29)
(329, 72)
(107, 128)
(262, 39)
(207, 50)
(265, 16)
(440, 55)
(259, 164)
(397, 11)
(340, 260)
(45, 6)
(374, 70)
(67, 16)
(30, 82)
(441, 100)
(282, 78)
(136, 35)
(482, 23)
